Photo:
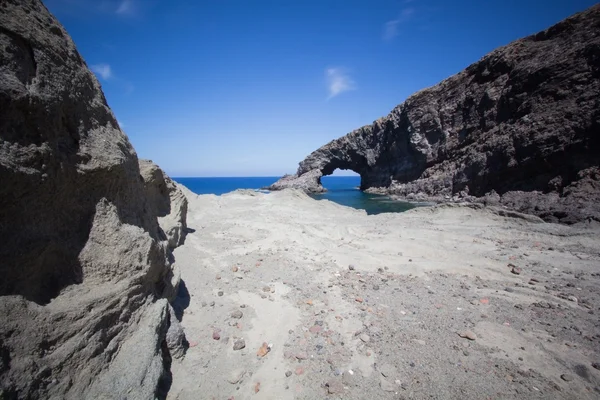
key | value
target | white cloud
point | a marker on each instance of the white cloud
(390, 28)
(338, 81)
(126, 7)
(103, 70)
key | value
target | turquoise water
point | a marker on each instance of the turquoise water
(340, 189)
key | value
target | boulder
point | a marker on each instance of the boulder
(523, 124)
(85, 269)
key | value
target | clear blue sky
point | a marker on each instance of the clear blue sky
(250, 87)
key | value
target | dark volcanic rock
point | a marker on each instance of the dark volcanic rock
(85, 267)
(310, 182)
(520, 128)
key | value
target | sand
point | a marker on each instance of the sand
(384, 306)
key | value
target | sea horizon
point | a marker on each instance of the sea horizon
(343, 190)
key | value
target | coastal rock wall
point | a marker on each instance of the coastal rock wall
(521, 126)
(86, 268)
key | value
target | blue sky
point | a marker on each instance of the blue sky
(250, 87)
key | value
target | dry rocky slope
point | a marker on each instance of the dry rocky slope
(87, 268)
(520, 128)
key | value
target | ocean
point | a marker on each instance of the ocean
(341, 189)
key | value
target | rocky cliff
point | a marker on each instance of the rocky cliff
(86, 268)
(520, 127)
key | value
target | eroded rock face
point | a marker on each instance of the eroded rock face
(523, 122)
(85, 267)
(169, 202)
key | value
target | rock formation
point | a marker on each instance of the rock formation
(520, 128)
(169, 202)
(86, 269)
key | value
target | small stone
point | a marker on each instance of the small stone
(466, 352)
(365, 338)
(467, 335)
(266, 289)
(596, 365)
(301, 355)
(516, 270)
(218, 277)
(203, 304)
(375, 287)
(509, 290)
(351, 267)
(299, 371)
(334, 386)
(212, 304)
(220, 293)
(315, 329)
(239, 344)
(566, 377)
(288, 374)
(235, 269)
(359, 300)
(237, 314)
(216, 335)
(257, 387)
(236, 376)
(387, 370)
(386, 385)
(263, 350)
(572, 298)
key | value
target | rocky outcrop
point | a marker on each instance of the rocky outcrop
(85, 267)
(168, 202)
(522, 125)
(309, 182)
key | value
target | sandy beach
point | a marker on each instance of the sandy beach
(286, 297)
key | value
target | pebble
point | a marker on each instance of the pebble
(509, 290)
(218, 277)
(359, 300)
(299, 371)
(351, 267)
(288, 374)
(235, 269)
(596, 365)
(315, 329)
(386, 385)
(566, 377)
(387, 370)
(237, 314)
(572, 298)
(516, 270)
(266, 289)
(236, 376)
(216, 335)
(301, 355)
(334, 386)
(220, 293)
(365, 338)
(212, 304)
(239, 344)
(375, 287)
(467, 335)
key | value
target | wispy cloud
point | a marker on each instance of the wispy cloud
(390, 28)
(338, 81)
(126, 7)
(102, 70)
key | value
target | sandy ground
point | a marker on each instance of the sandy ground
(352, 306)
